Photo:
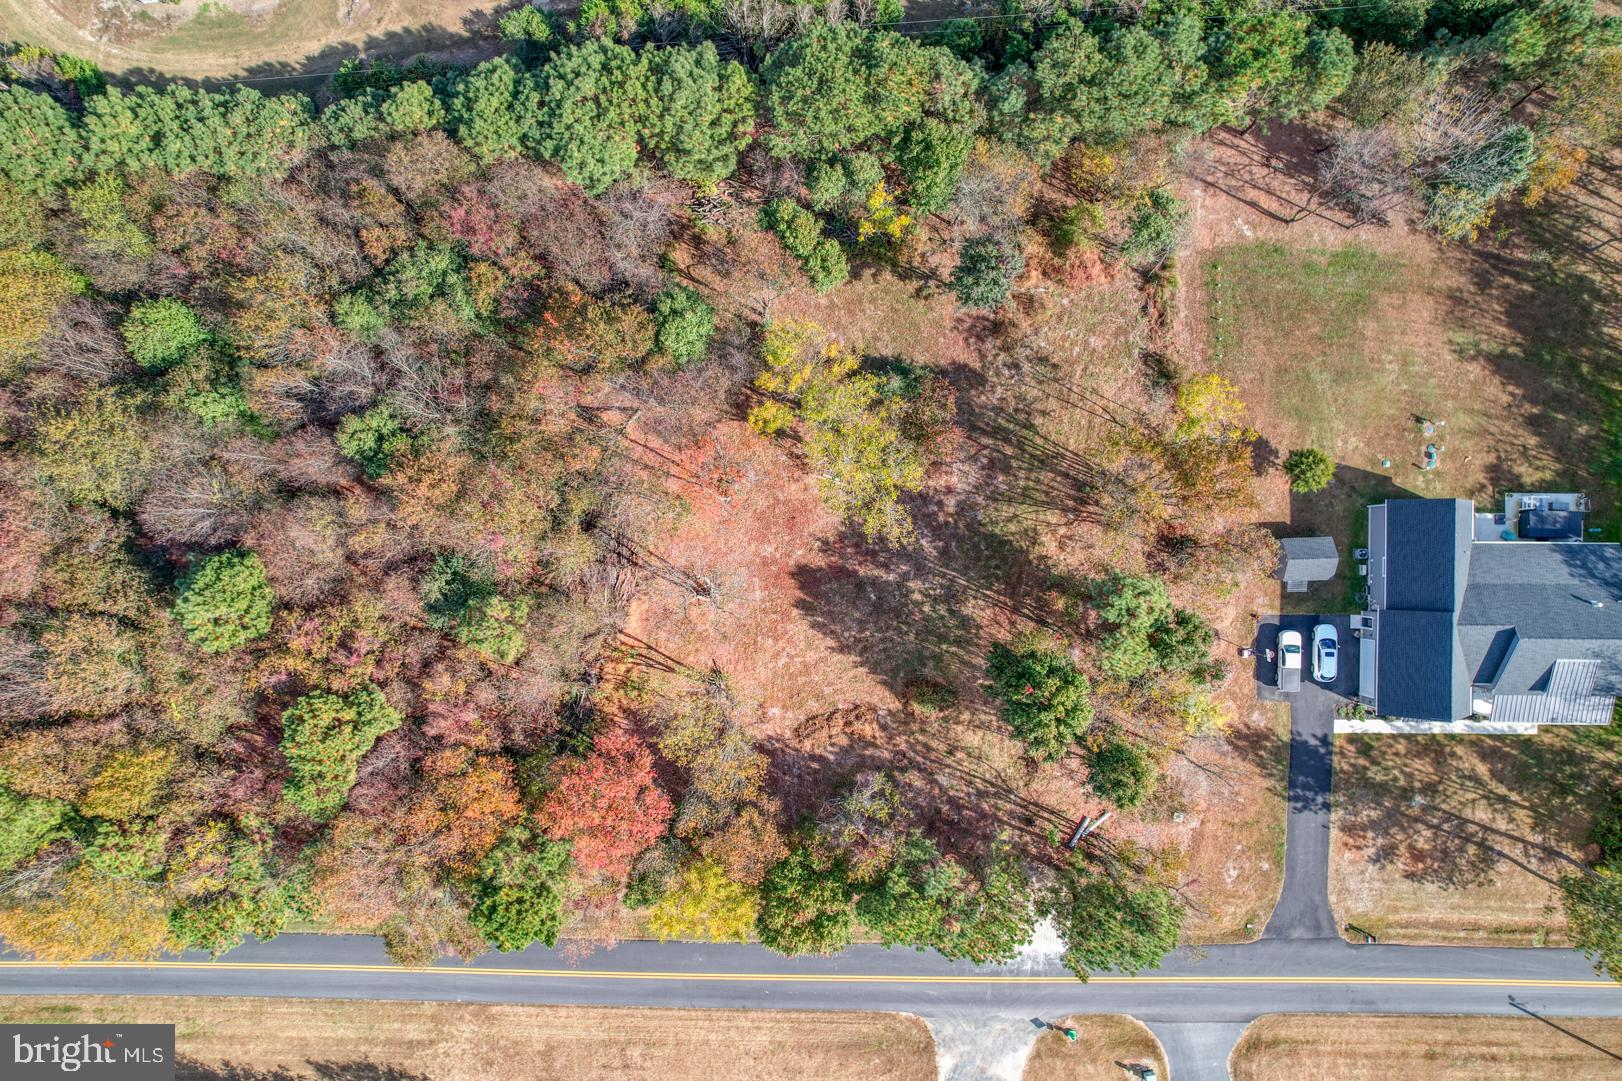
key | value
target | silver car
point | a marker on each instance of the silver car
(1325, 653)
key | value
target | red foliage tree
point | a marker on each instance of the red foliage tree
(608, 805)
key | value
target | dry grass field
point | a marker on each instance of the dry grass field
(246, 1039)
(1104, 1042)
(1438, 839)
(1304, 1047)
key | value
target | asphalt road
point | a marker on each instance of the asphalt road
(1218, 984)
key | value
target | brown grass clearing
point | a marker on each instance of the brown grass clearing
(429, 1041)
(1477, 857)
(1103, 1041)
(1308, 1047)
(265, 40)
(822, 635)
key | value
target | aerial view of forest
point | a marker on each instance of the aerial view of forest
(739, 471)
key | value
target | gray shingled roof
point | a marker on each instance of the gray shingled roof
(1528, 605)
(1308, 559)
(1422, 674)
(1517, 618)
(1427, 553)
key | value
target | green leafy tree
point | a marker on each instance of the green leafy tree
(375, 439)
(1105, 923)
(1044, 698)
(100, 206)
(685, 323)
(237, 132)
(805, 905)
(1321, 73)
(925, 899)
(985, 272)
(491, 109)
(226, 601)
(97, 452)
(518, 890)
(161, 333)
(324, 737)
(593, 97)
(699, 112)
(412, 107)
(1593, 906)
(1121, 773)
(43, 148)
(494, 626)
(1309, 469)
(26, 824)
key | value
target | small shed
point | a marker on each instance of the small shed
(1305, 560)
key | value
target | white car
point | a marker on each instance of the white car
(1289, 660)
(1325, 653)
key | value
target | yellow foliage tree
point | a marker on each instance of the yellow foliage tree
(33, 285)
(89, 915)
(705, 904)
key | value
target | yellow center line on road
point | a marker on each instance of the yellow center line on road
(771, 977)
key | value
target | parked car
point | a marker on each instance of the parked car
(1325, 653)
(1289, 660)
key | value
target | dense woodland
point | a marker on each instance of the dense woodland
(314, 529)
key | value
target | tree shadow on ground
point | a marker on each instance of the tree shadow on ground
(1454, 812)
(466, 44)
(1541, 308)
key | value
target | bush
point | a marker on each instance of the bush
(1309, 469)
(985, 273)
(1153, 228)
(161, 333)
(1121, 773)
(226, 602)
(685, 323)
(801, 233)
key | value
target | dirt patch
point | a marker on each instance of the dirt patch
(1105, 1043)
(426, 1041)
(1304, 1047)
(1441, 839)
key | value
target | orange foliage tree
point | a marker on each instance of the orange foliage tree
(608, 804)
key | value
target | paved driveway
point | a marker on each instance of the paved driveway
(1303, 909)
(1345, 685)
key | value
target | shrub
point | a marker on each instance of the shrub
(1153, 228)
(1309, 469)
(985, 272)
(161, 333)
(225, 602)
(1121, 773)
(801, 233)
(685, 323)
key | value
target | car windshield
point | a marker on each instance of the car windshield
(1292, 649)
(1329, 648)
